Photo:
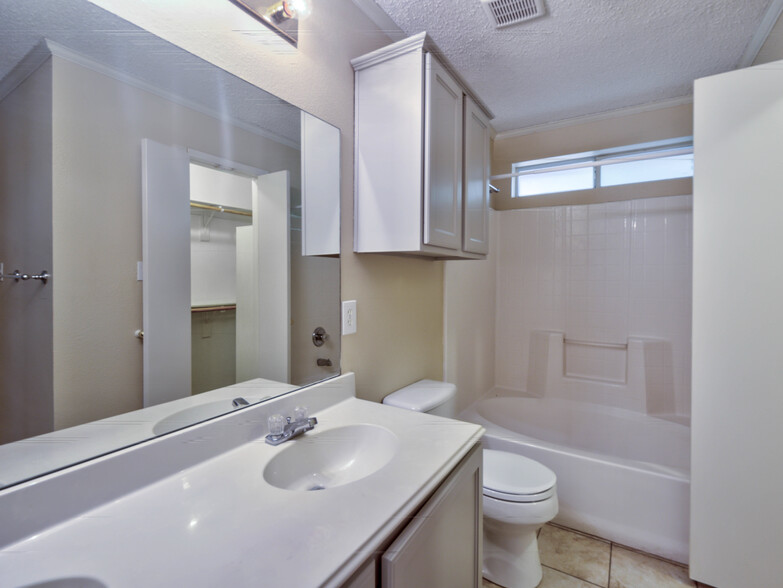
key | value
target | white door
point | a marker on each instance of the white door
(166, 272)
(443, 158)
(263, 284)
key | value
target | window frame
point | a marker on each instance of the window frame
(597, 159)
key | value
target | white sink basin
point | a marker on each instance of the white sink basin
(317, 461)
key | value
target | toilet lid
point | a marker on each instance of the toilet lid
(512, 477)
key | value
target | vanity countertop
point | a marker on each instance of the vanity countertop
(219, 523)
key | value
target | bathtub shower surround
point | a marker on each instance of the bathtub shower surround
(602, 275)
(593, 363)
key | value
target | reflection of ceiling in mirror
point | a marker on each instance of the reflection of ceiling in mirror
(113, 42)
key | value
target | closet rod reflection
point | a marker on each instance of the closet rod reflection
(213, 308)
(596, 344)
(220, 209)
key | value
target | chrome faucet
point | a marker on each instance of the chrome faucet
(281, 428)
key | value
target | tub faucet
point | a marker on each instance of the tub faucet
(281, 428)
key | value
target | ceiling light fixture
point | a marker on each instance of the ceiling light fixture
(282, 17)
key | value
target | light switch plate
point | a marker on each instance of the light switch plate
(349, 317)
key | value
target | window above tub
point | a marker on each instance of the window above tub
(629, 164)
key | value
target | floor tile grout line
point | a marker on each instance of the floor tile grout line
(620, 545)
(572, 576)
(604, 542)
(609, 575)
(695, 583)
(652, 555)
(590, 535)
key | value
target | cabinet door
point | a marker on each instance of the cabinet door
(475, 221)
(442, 200)
(441, 547)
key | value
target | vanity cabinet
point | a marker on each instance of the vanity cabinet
(439, 546)
(422, 155)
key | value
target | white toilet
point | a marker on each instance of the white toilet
(519, 494)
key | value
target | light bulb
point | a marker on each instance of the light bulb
(288, 9)
(279, 12)
(300, 8)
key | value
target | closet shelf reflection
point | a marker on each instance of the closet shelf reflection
(216, 308)
(220, 208)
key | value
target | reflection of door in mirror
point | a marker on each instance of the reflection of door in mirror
(220, 214)
(226, 318)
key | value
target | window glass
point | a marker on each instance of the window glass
(555, 181)
(648, 170)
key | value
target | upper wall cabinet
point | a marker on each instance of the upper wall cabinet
(422, 155)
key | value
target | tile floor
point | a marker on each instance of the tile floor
(574, 560)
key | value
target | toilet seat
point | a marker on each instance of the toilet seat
(515, 478)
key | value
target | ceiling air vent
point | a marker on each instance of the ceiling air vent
(503, 13)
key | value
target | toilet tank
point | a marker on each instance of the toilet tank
(430, 396)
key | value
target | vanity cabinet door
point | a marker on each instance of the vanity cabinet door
(364, 577)
(441, 546)
(475, 220)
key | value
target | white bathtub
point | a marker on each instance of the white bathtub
(621, 475)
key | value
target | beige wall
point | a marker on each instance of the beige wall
(602, 133)
(469, 329)
(26, 244)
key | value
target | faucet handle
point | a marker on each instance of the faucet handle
(300, 413)
(276, 424)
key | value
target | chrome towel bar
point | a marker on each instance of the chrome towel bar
(17, 275)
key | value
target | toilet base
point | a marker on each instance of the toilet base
(510, 540)
(511, 555)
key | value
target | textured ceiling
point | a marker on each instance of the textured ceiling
(111, 41)
(585, 56)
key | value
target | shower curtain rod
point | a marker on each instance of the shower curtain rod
(220, 209)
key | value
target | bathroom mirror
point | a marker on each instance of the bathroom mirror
(86, 98)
